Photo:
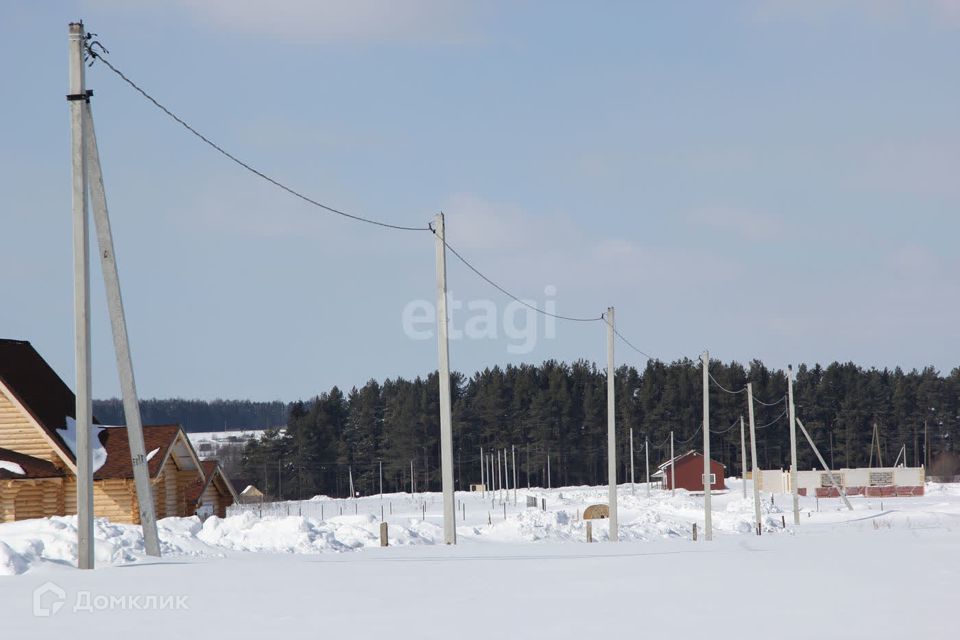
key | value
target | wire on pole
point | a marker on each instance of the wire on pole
(97, 56)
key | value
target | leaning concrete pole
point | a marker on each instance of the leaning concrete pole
(755, 476)
(707, 514)
(611, 430)
(121, 341)
(81, 300)
(823, 463)
(446, 428)
(793, 449)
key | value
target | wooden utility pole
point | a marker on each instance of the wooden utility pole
(707, 507)
(795, 490)
(611, 429)
(81, 300)
(446, 428)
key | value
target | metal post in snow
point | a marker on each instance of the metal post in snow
(755, 476)
(121, 342)
(446, 429)
(793, 448)
(611, 430)
(707, 507)
(81, 301)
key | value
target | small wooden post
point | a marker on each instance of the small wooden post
(384, 538)
(504, 511)
(783, 521)
(489, 518)
(544, 503)
(589, 531)
(694, 531)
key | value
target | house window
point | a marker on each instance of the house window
(713, 478)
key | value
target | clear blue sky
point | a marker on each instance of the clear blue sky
(765, 179)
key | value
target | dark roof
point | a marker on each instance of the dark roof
(32, 467)
(38, 388)
(117, 446)
(196, 489)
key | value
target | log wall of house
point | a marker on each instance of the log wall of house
(112, 499)
(18, 433)
(185, 481)
(36, 498)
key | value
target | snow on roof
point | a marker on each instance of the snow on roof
(69, 436)
(12, 467)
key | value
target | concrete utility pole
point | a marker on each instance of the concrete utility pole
(743, 459)
(611, 429)
(499, 476)
(549, 485)
(823, 463)
(513, 456)
(349, 471)
(633, 485)
(707, 507)
(755, 476)
(121, 341)
(673, 469)
(793, 448)
(381, 480)
(412, 485)
(446, 428)
(483, 486)
(81, 300)
(646, 453)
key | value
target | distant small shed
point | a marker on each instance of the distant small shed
(250, 495)
(688, 469)
(596, 512)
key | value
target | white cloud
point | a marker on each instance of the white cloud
(887, 12)
(407, 21)
(749, 225)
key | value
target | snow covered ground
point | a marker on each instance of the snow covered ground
(883, 571)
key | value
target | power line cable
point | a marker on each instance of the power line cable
(97, 56)
(735, 423)
(769, 404)
(774, 421)
(723, 388)
(496, 286)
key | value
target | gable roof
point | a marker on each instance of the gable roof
(211, 472)
(116, 442)
(38, 388)
(680, 458)
(32, 467)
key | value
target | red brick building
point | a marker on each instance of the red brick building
(689, 473)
